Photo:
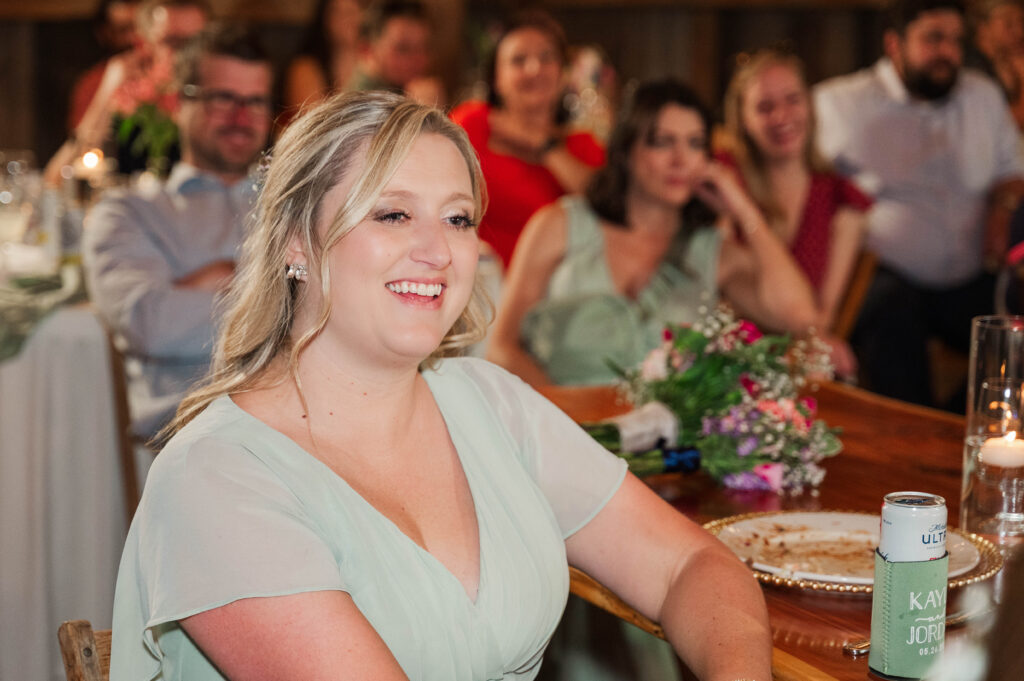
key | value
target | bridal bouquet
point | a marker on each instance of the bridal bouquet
(729, 395)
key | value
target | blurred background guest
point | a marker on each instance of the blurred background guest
(528, 156)
(397, 52)
(595, 279)
(816, 212)
(328, 57)
(140, 77)
(997, 48)
(114, 27)
(936, 145)
(156, 258)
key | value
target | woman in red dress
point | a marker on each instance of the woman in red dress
(527, 156)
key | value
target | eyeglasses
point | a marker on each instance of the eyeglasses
(223, 102)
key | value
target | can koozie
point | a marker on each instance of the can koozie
(908, 616)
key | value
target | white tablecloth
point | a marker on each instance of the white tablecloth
(62, 521)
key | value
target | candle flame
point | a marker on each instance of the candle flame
(1010, 437)
(92, 158)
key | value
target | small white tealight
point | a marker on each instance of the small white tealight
(1006, 451)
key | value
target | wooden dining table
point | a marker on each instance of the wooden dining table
(887, 446)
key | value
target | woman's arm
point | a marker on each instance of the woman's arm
(572, 173)
(848, 228)
(544, 146)
(540, 249)
(311, 636)
(757, 274)
(675, 573)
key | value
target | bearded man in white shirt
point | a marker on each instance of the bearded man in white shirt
(936, 146)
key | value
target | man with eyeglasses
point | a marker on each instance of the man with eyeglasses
(156, 257)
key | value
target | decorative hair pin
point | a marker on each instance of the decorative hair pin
(259, 176)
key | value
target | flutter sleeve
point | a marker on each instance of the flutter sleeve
(218, 525)
(576, 475)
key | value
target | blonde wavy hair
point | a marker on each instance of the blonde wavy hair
(311, 157)
(751, 161)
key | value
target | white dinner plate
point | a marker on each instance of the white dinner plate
(827, 546)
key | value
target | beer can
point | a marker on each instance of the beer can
(913, 527)
(908, 603)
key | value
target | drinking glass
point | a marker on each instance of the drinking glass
(992, 493)
(19, 185)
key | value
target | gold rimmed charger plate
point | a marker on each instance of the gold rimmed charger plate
(988, 563)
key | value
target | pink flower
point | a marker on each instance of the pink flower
(680, 362)
(168, 102)
(771, 408)
(810, 405)
(771, 473)
(655, 365)
(748, 332)
(666, 334)
(147, 81)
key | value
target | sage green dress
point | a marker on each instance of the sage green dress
(234, 509)
(583, 322)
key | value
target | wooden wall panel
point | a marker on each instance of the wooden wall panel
(45, 43)
(296, 11)
(292, 11)
(17, 83)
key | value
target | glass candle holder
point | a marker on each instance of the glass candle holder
(992, 493)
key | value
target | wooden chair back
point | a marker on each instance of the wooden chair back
(86, 653)
(853, 298)
(125, 439)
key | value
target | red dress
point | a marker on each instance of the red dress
(84, 90)
(813, 240)
(516, 189)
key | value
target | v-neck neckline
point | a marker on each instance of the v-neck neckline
(656, 273)
(455, 439)
(801, 217)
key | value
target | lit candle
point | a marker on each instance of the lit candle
(1006, 451)
(92, 158)
(90, 166)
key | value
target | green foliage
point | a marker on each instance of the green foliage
(154, 134)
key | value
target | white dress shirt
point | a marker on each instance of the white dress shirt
(929, 165)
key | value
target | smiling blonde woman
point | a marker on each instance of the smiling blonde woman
(338, 501)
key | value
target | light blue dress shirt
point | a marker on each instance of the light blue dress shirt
(135, 246)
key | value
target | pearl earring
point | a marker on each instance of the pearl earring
(297, 271)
